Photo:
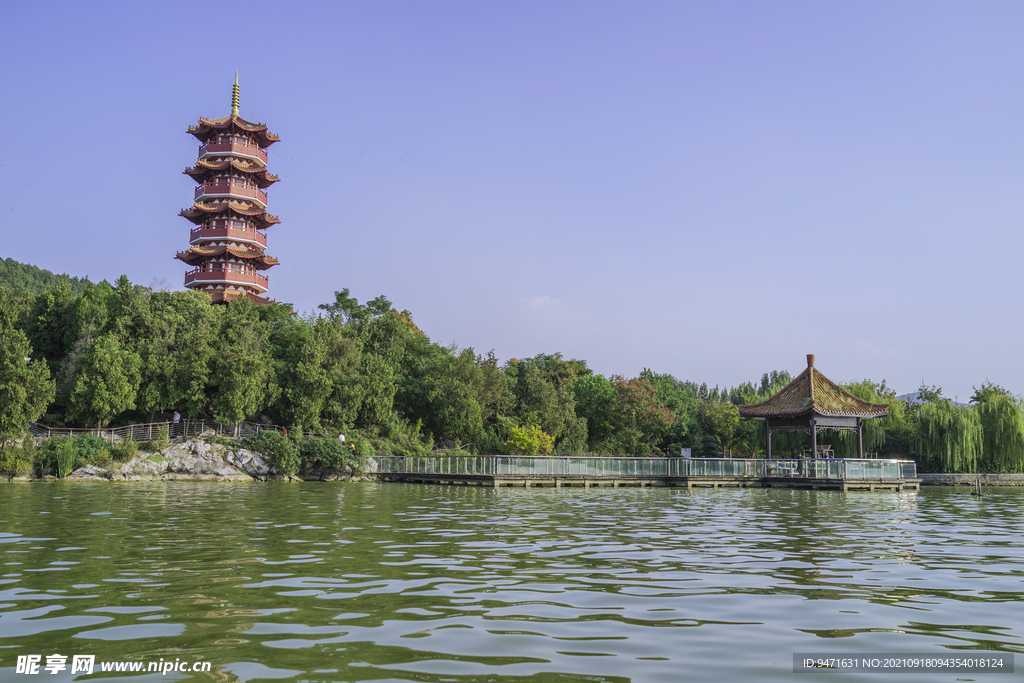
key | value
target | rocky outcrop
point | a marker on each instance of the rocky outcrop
(188, 461)
(197, 461)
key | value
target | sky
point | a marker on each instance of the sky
(707, 189)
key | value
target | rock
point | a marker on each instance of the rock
(89, 473)
(249, 462)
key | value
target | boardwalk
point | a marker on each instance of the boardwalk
(526, 471)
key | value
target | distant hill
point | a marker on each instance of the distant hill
(913, 397)
(22, 277)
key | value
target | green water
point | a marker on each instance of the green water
(368, 581)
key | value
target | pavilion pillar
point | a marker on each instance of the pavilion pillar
(767, 439)
(814, 438)
(860, 438)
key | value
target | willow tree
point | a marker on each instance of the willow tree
(949, 437)
(1002, 420)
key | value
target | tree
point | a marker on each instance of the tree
(949, 437)
(1002, 423)
(594, 395)
(106, 381)
(50, 324)
(929, 394)
(24, 278)
(241, 370)
(536, 400)
(349, 311)
(176, 346)
(639, 417)
(25, 385)
(323, 357)
(721, 419)
(377, 380)
(988, 392)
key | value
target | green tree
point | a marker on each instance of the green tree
(50, 323)
(107, 381)
(536, 400)
(25, 385)
(594, 395)
(640, 419)
(1002, 423)
(176, 347)
(722, 420)
(988, 392)
(241, 367)
(323, 358)
(28, 279)
(949, 437)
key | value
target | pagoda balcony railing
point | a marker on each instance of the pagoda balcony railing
(234, 189)
(227, 277)
(241, 234)
(239, 148)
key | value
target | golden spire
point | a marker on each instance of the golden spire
(234, 97)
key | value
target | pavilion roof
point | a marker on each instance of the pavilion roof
(205, 168)
(200, 211)
(208, 128)
(813, 392)
(201, 253)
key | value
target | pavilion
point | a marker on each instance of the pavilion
(812, 403)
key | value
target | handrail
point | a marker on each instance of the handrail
(612, 466)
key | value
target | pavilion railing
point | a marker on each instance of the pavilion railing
(585, 466)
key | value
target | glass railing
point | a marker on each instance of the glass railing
(537, 466)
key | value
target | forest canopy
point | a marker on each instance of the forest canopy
(22, 278)
(86, 355)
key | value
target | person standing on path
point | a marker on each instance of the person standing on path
(177, 421)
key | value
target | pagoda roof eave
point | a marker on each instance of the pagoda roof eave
(200, 254)
(228, 295)
(200, 211)
(260, 176)
(207, 128)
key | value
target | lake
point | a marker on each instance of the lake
(386, 582)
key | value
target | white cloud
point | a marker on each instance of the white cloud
(539, 303)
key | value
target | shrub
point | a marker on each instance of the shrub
(16, 461)
(124, 451)
(362, 447)
(157, 444)
(328, 454)
(65, 454)
(277, 449)
(89, 446)
(530, 441)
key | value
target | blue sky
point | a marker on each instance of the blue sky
(708, 189)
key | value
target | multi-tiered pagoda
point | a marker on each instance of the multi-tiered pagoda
(228, 242)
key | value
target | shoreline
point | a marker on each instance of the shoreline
(198, 460)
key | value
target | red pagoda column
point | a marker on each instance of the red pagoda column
(229, 240)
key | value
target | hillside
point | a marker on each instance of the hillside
(22, 277)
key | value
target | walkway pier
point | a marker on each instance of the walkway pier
(586, 472)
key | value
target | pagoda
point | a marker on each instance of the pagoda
(813, 403)
(229, 240)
